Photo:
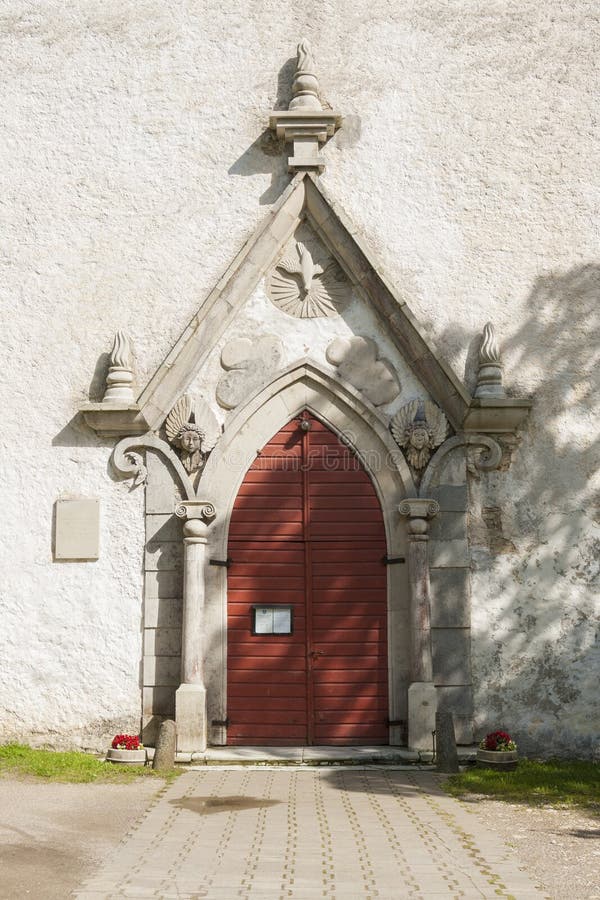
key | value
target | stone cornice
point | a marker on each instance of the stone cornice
(496, 416)
(114, 419)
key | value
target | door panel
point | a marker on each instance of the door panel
(307, 530)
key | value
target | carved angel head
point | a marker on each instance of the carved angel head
(191, 426)
(190, 437)
(419, 427)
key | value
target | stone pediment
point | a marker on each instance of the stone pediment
(304, 204)
(313, 266)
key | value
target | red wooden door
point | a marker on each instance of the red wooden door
(307, 531)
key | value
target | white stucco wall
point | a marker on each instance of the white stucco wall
(133, 167)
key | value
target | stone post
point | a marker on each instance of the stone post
(190, 699)
(422, 702)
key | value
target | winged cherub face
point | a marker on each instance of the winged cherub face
(419, 437)
(191, 441)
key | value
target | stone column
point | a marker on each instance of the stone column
(190, 699)
(422, 702)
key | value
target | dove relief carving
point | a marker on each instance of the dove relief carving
(306, 288)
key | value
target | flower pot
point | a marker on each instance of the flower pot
(127, 757)
(501, 760)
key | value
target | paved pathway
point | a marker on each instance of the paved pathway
(337, 833)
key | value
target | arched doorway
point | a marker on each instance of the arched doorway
(307, 596)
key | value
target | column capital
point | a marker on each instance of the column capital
(195, 509)
(419, 508)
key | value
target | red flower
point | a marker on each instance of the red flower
(126, 742)
(498, 740)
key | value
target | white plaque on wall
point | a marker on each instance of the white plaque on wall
(77, 531)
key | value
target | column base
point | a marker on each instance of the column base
(422, 706)
(190, 718)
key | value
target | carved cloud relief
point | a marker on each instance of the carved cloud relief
(357, 360)
(248, 363)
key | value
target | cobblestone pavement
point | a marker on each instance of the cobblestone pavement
(336, 833)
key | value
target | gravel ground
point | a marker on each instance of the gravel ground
(53, 835)
(560, 848)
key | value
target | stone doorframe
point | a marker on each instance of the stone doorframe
(342, 409)
(201, 697)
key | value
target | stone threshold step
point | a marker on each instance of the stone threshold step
(312, 756)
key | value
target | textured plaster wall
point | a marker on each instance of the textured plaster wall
(134, 165)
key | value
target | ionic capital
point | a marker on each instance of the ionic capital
(419, 511)
(419, 508)
(197, 515)
(195, 509)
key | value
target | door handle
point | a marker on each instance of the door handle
(314, 654)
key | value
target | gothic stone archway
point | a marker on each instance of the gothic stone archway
(341, 410)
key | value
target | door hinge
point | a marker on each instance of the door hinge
(221, 562)
(220, 723)
(393, 560)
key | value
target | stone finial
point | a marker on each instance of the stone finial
(306, 125)
(489, 376)
(119, 381)
(305, 86)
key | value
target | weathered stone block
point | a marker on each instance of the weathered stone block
(451, 497)
(445, 742)
(454, 469)
(162, 670)
(166, 745)
(163, 556)
(422, 705)
(162, 612)
(162, 489)
(448, 526)
(164, 584)
(450, 597)
(458, 699)
(150, 729)
(159, 701)
(162, 642)
(191, 718)
(449, 554)
(161, 527)
(451, 648)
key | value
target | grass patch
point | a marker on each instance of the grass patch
(553, 782)
(72, 766)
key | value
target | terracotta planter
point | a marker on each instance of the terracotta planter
(501, 760)
(127, 757)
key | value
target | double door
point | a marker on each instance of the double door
(307, 598)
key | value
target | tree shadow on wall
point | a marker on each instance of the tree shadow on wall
(266, 155)
(538, 657)
(535, 663)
